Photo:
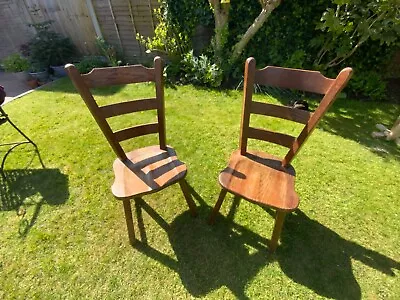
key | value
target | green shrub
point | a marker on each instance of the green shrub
(15, 63)
(300, 34)
(368, 85)
(90, 62)
(36, 67)
(200, 71)
(49, 48)
(167, 40)
(113, 56)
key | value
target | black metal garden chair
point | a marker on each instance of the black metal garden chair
(4, 118)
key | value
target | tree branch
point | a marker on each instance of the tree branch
(338, 60)
(268, 7)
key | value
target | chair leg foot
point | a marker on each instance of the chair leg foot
(188, 197)
(217, 206)
(129, 220)
(279, 219)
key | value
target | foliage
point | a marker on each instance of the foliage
(285, 41)
(200, 71)
(167, 40)
(186, 15)
(36, 67)
(295, 35)
(109, 51)
(15, 63)
(172, 40)
(90, 62)
(25, 50)
(350, 24)
(368, 83)
(50, 48)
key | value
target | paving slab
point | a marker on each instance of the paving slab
(13, 86)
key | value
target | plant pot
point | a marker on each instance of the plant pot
(59, 71)
(33, 83)
(40, 76)
(21, 76)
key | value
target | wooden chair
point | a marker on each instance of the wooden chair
(262, 178)
(145, 170)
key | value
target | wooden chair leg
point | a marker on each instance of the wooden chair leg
(280, 217)
(188, 197)
(217, 206)
(129, 220)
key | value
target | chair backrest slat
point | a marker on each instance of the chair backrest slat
(127, 107)
(271, 136)
(326, 102)
(123, 75)
(118, 75)
(132, 132)
(303, 80)
(283, 112)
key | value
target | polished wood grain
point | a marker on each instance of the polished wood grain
(159, 80)
(145, 170)
(129, 220)
(270, 136)
(95, 110)
(128, 107)
(247, 100)
(282, 112)
(132, 132)
(99, 77)
(257, 176)
(303, 80)
(260, 178)
(340, 82)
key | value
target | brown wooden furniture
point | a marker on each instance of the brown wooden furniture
(141, 171)
(261, 178)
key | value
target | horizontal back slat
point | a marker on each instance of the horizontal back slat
(136, 131)
(118, 75)
(303, 80)
(127, 107)
(271, 136)
(288, 113)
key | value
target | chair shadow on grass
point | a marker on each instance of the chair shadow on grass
(25, 190)
(228, 254)
(318, 258)
(355, 122)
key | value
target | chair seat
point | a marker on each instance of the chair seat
(147, 170)
(260, 178)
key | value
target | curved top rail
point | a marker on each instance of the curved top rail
(303, 80)
(99, 77)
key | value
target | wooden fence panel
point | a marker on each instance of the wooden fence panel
(119, 21)
(70, 18)
(14, 30)
(106, 21)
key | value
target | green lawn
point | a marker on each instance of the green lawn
(63, 235)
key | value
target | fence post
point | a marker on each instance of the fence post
(93, 17)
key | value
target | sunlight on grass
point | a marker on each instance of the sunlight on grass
(63, 234)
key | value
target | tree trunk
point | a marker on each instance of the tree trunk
(221, 17)
(268, 7)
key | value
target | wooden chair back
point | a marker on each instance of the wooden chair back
(303, 80)
(100, 77)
